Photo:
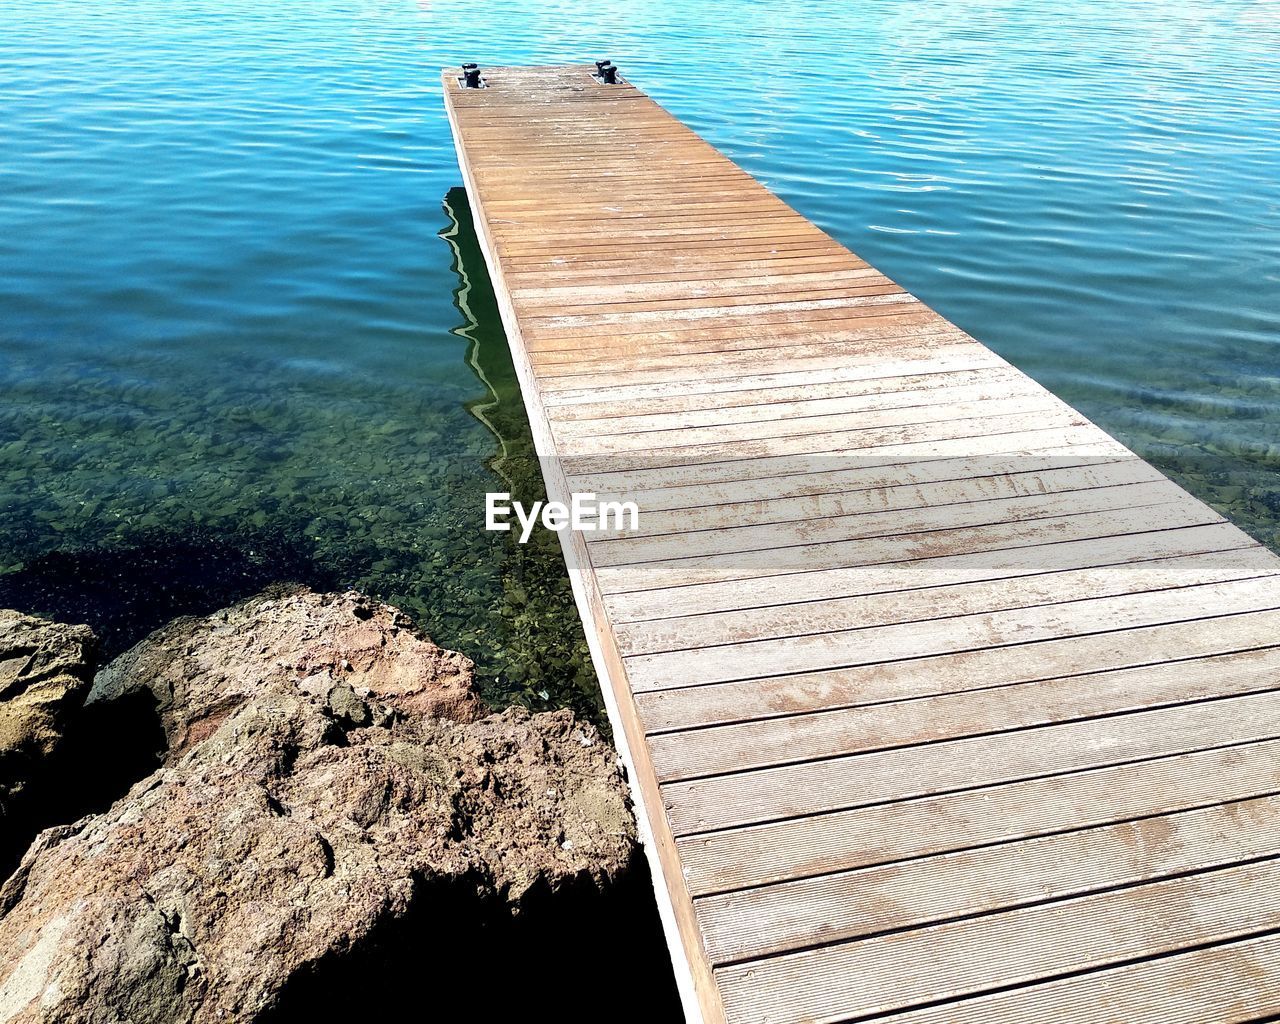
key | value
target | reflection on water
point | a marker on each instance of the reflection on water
(501, 408)
(544, 653)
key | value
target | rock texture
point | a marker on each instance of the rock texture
(45, 671)
(311, 794)
(340, 648)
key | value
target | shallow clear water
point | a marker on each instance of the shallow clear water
(231, 348)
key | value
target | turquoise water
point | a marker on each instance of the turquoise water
(235, 347)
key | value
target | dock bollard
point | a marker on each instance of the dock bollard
(471, 76)
(607, 72)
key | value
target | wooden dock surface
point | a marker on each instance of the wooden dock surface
(938, 704)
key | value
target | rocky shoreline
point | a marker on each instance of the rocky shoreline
(328, 778)
(46, 669)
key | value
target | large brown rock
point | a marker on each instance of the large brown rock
(338, 647)
(45, 671)
(306, 800)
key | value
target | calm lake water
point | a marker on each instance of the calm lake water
(240, 331)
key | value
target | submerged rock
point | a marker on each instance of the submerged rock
(45, 671)
(314, 791)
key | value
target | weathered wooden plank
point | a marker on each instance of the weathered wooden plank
(639, 259)
(924, 545)
(718, 352)
(814, 400)
(1012, 438)
(869, 901)
(755, 855)
(967, 404)
(848, 443)
(894, 494)
(738, 747)
(722, 366)
(891, 972)
(947, 570)
(556, 271)
(771, 403)
(724, 241)
(620, 289)
(858, 334)
(860, 374)
(1232, 983)
(594, 312)
(607, 358)
(768, 794)
(900, 641)
(958, 495)
(923, 605)
(695, 704)
(862, 336)
(1005, 455)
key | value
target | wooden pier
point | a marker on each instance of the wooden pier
(938, 704)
